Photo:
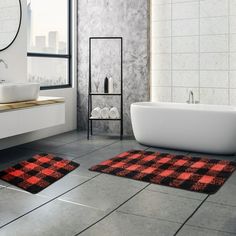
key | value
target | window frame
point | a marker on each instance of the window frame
(67, 56)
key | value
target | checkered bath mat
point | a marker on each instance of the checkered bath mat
(38, 172)
(184, 172)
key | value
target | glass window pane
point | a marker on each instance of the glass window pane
(48, 71)
(48, 26)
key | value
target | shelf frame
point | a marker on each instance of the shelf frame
(91, 94)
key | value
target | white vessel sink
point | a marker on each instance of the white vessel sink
(18, 92)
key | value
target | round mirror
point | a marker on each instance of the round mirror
(10, 21)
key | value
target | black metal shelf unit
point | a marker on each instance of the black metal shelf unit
(91, 94)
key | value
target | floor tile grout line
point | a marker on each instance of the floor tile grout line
(108, 214)
(72, 155)
(148, 217)
(221, 204)
(95, 150)
(180, 196)
(210, 229)
(51, 200)
(176, 233)
(59, 146)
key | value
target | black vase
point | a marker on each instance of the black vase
(106, 85)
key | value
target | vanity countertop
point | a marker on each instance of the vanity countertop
(28, 104)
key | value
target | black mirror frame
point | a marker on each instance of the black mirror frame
(18, 30)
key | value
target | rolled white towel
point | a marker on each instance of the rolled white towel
(105, 113)
(114, 113)
(96, 113)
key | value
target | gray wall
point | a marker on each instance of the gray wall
(123, 18)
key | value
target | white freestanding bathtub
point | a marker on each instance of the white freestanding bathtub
(192, 127)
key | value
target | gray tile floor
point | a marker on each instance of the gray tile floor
(92, 204)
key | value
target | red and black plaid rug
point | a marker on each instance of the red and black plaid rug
(184, 172)
(37, 173)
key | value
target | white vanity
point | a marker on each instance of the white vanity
(23, 117)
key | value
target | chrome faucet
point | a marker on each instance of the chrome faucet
(4, 63)
(191, 99)
(6, 67)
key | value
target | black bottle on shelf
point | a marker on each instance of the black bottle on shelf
(106, 85)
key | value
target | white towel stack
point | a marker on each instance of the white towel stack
(105, 113)
(114, 113)
(96, 113)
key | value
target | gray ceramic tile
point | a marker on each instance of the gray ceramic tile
(42, 146)
(63, 185)
(13, 155)
(126, 145)
(216, 217)
(176, 192)
(104, 192)
(195, 231)
(55, 218)
(94, 158)
(212, 156)
(118, 224)
(3, 183)
(67, 137)
(2, 187)
(161, 206)
(232, 178)
(226, 194)
(16, 203)
(171, 151)
(82, 147)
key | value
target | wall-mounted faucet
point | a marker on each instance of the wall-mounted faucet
(191, 99)
(4, 63)
(6, 67)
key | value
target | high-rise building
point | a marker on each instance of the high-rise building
(53, 41)
(40, 43)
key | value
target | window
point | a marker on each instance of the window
(49, 43)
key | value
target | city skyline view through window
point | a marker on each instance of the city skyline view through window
(48, 35)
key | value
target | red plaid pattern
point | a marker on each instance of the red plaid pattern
(37, 173)
(179, 171)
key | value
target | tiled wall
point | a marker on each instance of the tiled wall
(193, 47)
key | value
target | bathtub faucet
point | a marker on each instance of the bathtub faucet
(191, 99)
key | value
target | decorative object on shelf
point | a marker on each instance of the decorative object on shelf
(106, 85)
(109, 86)
(105, 113)
(96, 84)
(114, 113)
(96, 113)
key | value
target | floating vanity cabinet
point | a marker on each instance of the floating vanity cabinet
(24, 117)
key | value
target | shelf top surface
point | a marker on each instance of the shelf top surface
(28, 104)
(106, 94)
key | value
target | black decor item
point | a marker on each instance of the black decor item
(106, 85)
(92, 95)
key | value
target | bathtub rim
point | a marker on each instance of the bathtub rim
(185, 106)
